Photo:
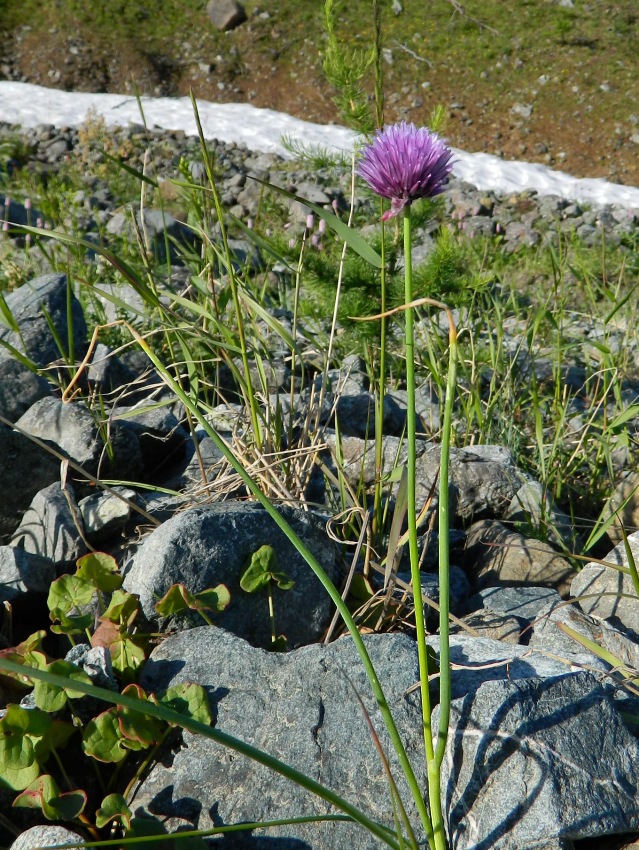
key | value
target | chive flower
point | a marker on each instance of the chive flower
(404, 163)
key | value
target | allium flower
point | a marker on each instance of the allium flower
(404, 163)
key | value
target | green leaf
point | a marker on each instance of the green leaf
(188, 699)
(102, 738)
(136, 726)
(143, 827)
(213, 599)
(56, 805)
(114, 807)
(52, 698)
(123, 608)
(56, 738)
(69, 593)
(69, 624)
(283, 581)
(99, 570)
(179, 598)
(18, 728)
(127, 657)
(257, 572)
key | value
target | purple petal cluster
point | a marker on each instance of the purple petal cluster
(404, 163)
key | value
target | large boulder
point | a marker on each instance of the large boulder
(536, 761)
(206, 546)
(302, 707)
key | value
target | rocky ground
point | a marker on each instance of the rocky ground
(533, 710)
(566, 101)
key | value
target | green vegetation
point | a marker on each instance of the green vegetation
(523, 320)
(576, 68)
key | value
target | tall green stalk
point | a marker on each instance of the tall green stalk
(434, 756)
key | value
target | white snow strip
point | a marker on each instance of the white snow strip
(262, 130)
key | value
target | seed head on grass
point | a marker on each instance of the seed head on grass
(404, 163)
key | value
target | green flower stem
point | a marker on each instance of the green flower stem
(433, 766)
(381, 389)
(317, 568)
(444, 559)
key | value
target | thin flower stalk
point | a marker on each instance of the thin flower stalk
(404, 163)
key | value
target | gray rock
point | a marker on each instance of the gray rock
(161, 438)
(533, 508)
(479, 660)
(494, 626)
(206, 546)
(483, 481)
(46, 835)
(302, 708)
(28, 305)
(624, 503)
(548, 635)
(187, 473)
(607, 593)
(521, 602)
(74, 430)
(533, 762)
(499, 556)
(103, 514)
(25, 468)
(359, 456)
(52, 527)
(459, 590)
(225, 14)
(162, 231)
(20, 387)
(95, 661)
(106, 372)
(22, 572)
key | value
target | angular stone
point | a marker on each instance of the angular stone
(225, 14)
(521, 602)
(480, 660)
(533, 508)
(534, 761)
(301, 707)
(20, 387)
(210, 545)
(624, 503)
(494, 626)
(158, 227)
(103, 514)
(548, 635)
(498, 556)
(608, 593)
(161, 438)
(483, 480)
(52, 526)
(73, 429)
(28, 305)
(25, 468)
(22, 572)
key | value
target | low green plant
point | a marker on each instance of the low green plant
(58, 722)
(261, 572)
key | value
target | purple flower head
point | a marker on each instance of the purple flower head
(404, 163)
